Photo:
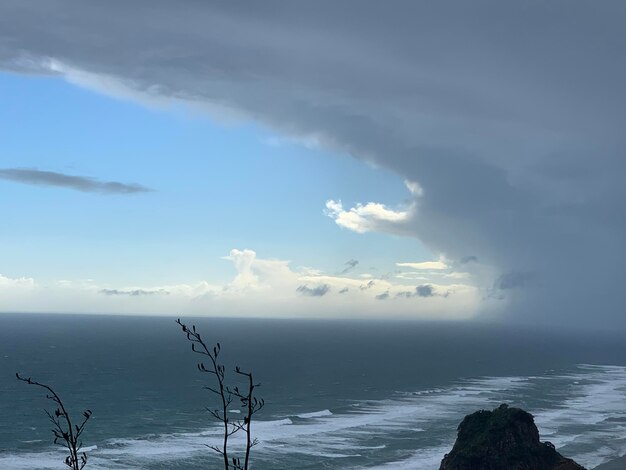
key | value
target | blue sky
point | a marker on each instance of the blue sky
(215, 186)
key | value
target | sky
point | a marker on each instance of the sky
(428, 160)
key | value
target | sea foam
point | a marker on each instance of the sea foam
(576, 410)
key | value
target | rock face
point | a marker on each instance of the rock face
(503, 439)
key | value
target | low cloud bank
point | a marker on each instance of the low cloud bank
(259, 287)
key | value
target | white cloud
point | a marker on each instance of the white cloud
(425, 265)
(458, 275)
(16, 283)
(243, 261)
(412, 276)
(414, 188)
(371, 217)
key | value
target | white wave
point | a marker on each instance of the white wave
(584, 422)
(315, 414)
(53, 459)
(32, 460)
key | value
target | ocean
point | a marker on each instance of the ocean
(339, 394)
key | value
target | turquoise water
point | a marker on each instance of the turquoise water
(339, 394)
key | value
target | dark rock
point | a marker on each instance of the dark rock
(503, 439)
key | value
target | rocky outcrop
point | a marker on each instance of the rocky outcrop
(503, 439)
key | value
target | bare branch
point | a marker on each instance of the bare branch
(64, 432)
(226, 395)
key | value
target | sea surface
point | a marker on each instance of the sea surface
(339, 394)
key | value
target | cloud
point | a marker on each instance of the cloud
(457, 275)
(349, 266)
(513, 280)
(317, 291)
(243, 261)
(425, 290)
(414, 188)
(383, 296)
(16, 283)
(134, 292)
(508, 115)
(415, 276)
(371, 217)
(424, 265)
(61, 180)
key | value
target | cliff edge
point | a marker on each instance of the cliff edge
(503, 439)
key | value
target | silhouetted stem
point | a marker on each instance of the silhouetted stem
(72, 435)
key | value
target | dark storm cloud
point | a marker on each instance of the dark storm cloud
(509, 115)
(133, 292)
(513, 280)
(468, 259)
(317, 291)
(349, 266)
(78, 183)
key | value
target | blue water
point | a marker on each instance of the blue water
(343, 394)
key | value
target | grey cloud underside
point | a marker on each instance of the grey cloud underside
(513, 280)
(468, 259)
(510, 115)
(316, 291)
(423, 290)
(78, 183)
(349, 266)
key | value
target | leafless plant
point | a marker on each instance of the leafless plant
(225, 394)
(65, 434)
